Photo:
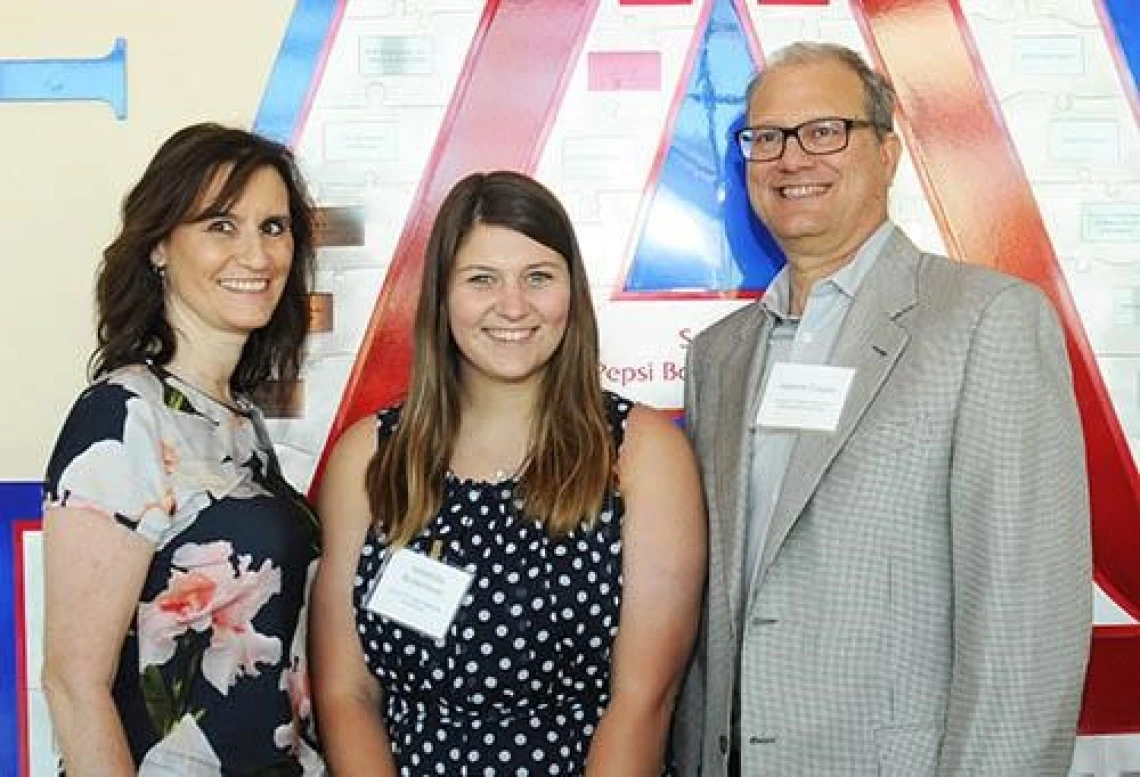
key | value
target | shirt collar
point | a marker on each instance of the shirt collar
(847, 279)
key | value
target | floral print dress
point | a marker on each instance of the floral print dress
(212, 677)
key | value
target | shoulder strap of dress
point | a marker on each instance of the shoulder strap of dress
(617, 411)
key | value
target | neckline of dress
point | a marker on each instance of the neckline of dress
(239, 406)
(501, 479)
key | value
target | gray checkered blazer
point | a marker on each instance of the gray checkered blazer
(922, 605)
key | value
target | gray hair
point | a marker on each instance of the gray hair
(878, 95)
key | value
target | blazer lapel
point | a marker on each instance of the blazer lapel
(870, 343)
(741, 367)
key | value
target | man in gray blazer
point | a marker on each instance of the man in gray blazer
(899, 578)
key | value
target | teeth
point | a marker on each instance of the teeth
(799, 192)
(513, 335)
(244, 284)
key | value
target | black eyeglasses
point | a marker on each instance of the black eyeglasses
(828, 135)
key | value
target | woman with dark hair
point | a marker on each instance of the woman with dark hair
(513, 557)
(176, 556)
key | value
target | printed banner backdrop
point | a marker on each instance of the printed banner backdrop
(1021, 126)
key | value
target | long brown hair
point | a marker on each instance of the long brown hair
(132, 325)
(570, 465)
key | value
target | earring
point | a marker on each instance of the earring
(159, 270)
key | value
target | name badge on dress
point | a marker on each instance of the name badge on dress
(419, 592)
(808, 397)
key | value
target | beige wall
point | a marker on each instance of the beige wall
(66, 166)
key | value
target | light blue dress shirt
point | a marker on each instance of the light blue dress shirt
(809, 339)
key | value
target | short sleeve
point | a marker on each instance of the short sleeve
(110, 457)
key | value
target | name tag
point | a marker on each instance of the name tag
(809, 397)
(419, 592)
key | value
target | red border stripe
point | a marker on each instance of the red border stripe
(1112, 686)
(19, 527)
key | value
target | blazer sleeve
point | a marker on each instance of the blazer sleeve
(1021, 548)
(689, 720)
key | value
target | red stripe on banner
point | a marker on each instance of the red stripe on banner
(1112, 686)
(655, 2)
(987, 213)
(793, 2)
(19, 527)
(508, 92)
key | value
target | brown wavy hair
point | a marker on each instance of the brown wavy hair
(132, 325)
(570, 465)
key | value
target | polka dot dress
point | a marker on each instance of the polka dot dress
(519, 683)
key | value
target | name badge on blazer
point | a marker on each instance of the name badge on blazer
(805, 397)
(419, 592)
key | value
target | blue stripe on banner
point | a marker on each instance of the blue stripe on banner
(18, 502)
(295, 68)
(1125, 15)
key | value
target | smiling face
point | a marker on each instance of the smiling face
(819, 208)
(508, 303)
(225, 272)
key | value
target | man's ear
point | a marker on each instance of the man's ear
(890, 149)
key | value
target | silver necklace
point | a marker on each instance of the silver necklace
(232, 406)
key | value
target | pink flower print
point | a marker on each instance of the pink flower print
(296, 682)
(235, 647)
(297, 735)
(184, 605)
(168, 504)
(300, 694)
(215, 554)
(208, 593)
(170, 457)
